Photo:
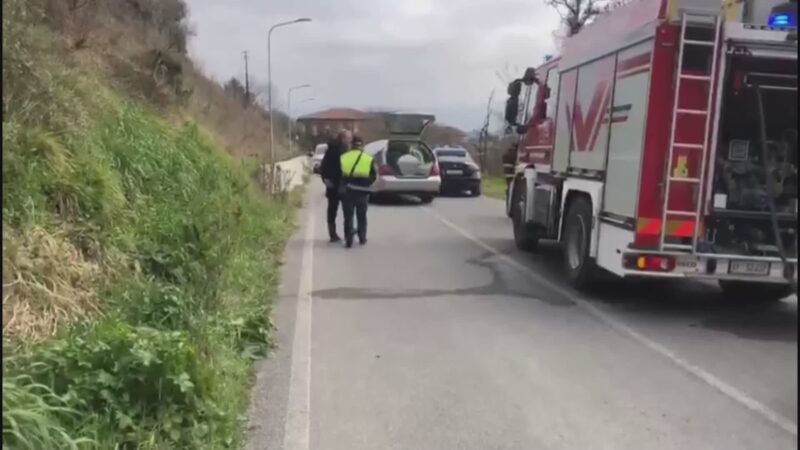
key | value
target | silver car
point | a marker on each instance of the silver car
(405, 164)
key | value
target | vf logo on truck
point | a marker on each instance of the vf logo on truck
(585, 129)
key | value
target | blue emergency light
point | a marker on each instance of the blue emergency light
(781, 20)
(783, 15)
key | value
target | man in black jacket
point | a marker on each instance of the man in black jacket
(331, 172)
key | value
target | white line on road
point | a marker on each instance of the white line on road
(297, 431)
(776, 418)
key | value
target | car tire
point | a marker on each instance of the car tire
(755, 292)
(525, 236)
(426, 199)
(475, 192)
(579, 266)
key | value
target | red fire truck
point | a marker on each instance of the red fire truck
(662, 142)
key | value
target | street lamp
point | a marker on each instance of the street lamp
(269, 84)
(289, 111)
(291, 138)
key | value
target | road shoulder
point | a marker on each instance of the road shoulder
(270, 392)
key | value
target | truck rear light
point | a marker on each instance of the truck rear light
(649, 263)
(384, 170)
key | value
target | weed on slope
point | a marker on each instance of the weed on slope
(139, 264)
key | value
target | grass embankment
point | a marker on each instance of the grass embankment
(493, 186)
(138, 264)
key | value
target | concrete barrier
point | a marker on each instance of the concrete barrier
(292, 171)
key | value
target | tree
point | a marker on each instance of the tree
(235, 88)
(576, 13)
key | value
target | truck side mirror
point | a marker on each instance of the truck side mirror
(512, 109)
(514, 88)
(530, 76)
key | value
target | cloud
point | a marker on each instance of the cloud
(433, 55)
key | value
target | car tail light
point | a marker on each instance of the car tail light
(649, 263)
(384, 169)
(435, 169)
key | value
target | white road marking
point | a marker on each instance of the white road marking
(771, 415)
(297, 432)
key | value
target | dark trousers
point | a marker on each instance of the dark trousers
(355, 202)
(333, 207)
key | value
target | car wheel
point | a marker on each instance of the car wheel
(579, 266)
(755, 292)
(525, 236)
(475, 192)
(426, 198)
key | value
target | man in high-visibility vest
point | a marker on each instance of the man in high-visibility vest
(358, 174)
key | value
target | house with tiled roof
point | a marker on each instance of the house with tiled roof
(333, 119)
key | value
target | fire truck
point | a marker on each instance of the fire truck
(662, 142)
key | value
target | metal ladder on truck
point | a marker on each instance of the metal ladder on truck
(690, 20)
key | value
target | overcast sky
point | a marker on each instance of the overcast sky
(438, 56)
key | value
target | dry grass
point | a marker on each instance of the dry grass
(47, 283)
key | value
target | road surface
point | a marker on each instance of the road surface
(440, 335)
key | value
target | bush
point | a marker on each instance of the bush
(137, 381)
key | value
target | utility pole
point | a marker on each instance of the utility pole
(483, 137)
(246, 81)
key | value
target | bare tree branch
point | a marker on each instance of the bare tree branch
(575, 14)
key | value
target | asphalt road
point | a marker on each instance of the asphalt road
(440, 335)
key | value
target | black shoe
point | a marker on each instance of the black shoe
(362, 241)
(335, 238)
(348, 243)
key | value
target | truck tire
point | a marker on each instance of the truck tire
(509, 203)
(760, 292)
(579, 266)
(525, 236)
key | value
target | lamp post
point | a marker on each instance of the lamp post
(289, 111)
(291, 138)
(269, 85)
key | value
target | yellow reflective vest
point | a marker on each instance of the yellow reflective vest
(354, 166)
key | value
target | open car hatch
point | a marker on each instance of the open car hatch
(407, 125)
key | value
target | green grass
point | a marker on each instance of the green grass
(140, 264)
(494, 186)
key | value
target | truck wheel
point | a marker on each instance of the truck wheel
(580, 268)
(524, 235)
(509, 204)
(749, 291)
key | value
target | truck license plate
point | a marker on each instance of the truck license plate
(749, 267)
(454, 172)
